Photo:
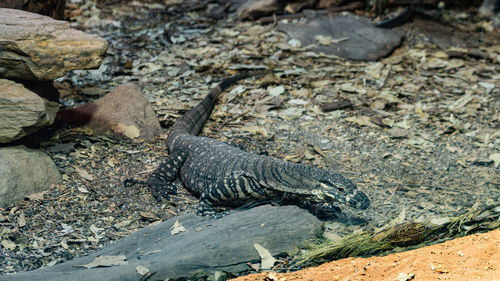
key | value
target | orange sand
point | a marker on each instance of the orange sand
(474, 257)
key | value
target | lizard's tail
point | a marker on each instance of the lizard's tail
(193, 120)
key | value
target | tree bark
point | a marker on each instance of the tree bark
(51, 8)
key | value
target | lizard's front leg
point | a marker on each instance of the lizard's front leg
(161, 180)
(230, 191)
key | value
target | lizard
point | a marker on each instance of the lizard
(223, 175)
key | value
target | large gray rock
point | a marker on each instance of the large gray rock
(206, 246)
(254, 9)
(36, 47)
(22, 111)
(24, 171)
(125, 112)
(344, 36)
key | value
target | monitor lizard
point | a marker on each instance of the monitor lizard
(224, 175)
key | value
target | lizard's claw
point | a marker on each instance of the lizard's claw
(131, 181)
(160, 189)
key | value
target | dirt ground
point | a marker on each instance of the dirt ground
(474, 257)
(421, 137)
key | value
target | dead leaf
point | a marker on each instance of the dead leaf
(397, 132)
(254, 266)
(361, 120)
(496, 158)
(83, 189)
(37, 196)
(130, 132)
(7, 244)
(298, 102)
(302, 93)
(21, 221)
(112, 162)
(440, 221)
(66, 228)
(321, 83)
(319, 151)
(348, 87)
(147, 215)
(256, 130)
(64, 244)
(308, 155)
(96, 230)
(84, 174)
(451, 148)
(441, 269)
(275, 91)
(294, 42)
(388, 96)
(459, 104)
(105, 261)
(405, 277)
(177, 228)
(142, 270)
(435, 63)
(236, 91)
(403, 124)
(374, 70)
(273, 276)
(267, 260)
(291, 113)
(323, 40)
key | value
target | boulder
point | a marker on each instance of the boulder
(36, 47)
(189, 245)
(124, 111)
(22, 112)
(24, 171)
(344, 36)
(254, 9)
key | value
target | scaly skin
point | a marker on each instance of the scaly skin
(223, 175)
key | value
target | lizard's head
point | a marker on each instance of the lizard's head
(334, 187)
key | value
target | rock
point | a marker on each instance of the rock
(491, 9)
(235, 4)
(254, 9)
(51, 8)
(36, 47)
(22, 112)
(487, 9)
(203, 248)
(24, 171)
(297, 6)
(343, 36)
(124, 111)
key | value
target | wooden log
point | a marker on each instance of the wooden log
(203, 248)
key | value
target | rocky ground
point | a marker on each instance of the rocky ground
(421, 135)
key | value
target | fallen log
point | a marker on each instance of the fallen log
(189, 245)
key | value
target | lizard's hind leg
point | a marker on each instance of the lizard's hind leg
(161, 180)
